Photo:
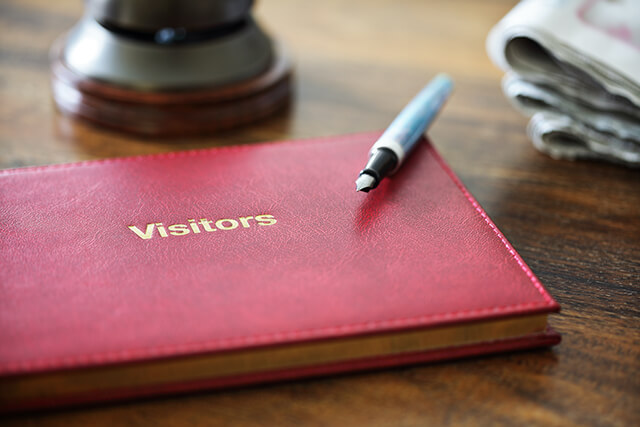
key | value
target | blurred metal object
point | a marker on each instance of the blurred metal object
(167, 44)
(169, 67)
(99, 53)
(151, 15)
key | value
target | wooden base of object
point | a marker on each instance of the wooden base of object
(195, 111)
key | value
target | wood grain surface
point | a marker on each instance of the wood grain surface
(357, 63)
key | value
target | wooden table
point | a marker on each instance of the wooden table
(357, 64)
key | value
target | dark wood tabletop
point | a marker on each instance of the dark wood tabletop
(357, 62)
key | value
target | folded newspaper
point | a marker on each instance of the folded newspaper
(574, 66)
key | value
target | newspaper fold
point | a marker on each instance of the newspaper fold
(574, 66)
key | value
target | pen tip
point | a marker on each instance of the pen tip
(365, 182)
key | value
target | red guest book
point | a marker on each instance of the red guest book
(215, 268)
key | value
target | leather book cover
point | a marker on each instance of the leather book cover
(213, 268)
